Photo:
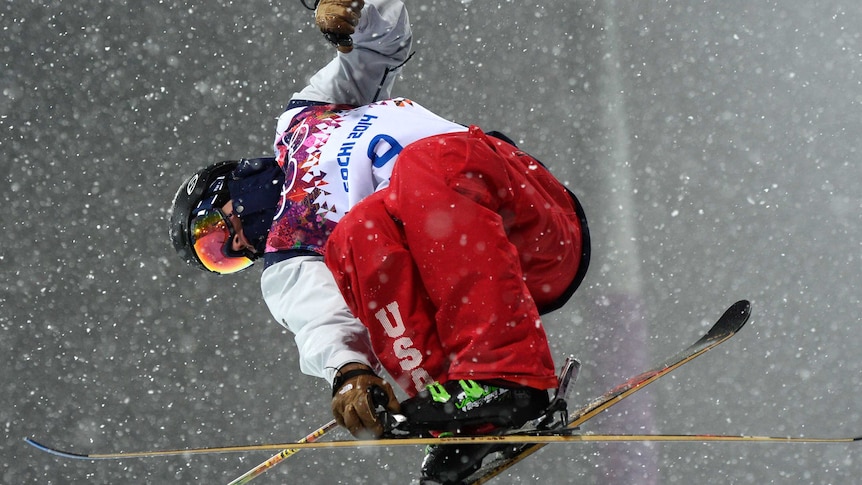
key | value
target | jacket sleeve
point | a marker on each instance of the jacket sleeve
(303, 297)
(381, 44)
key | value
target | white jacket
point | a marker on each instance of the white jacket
(300, 292)
(381, 44)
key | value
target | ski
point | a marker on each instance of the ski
(515, 438)
(726, 327)
(732, 320)
(283, 455)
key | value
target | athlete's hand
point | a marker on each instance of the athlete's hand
(337, 20)
(353, 402)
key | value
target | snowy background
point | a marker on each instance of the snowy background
(712, 143)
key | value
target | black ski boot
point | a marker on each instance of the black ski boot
(469, 408)
(451, 464)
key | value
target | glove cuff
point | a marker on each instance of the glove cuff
(342, 377)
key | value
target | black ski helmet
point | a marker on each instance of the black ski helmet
(190, 194)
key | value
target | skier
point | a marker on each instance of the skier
(396, 240)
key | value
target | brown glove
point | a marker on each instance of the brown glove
(353, 403)
(337, 19)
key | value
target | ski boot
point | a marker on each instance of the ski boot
(474, 408)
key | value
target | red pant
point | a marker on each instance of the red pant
(446, 267)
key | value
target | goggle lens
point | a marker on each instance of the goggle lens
(210, 235)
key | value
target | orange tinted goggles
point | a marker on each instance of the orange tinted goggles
(211, 235)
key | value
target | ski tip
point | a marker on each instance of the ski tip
(733, 319)
(55, 452)
(742, 307)
(35, 444)
(737, 315)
